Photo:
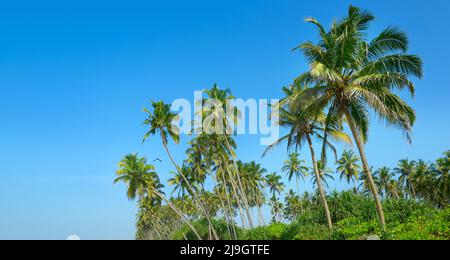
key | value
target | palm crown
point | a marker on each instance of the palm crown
(351, 75)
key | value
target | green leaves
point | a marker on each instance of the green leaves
(391, 40)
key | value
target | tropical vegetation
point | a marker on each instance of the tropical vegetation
(351, 79)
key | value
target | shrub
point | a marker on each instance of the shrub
(202, 228)
(424, 227)
(273, 232)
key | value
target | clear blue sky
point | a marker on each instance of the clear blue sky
(74, 76)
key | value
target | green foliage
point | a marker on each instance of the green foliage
(273, 232)
(355, 219)
(202, 228)
(424, 227)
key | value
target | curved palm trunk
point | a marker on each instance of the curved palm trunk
(241, 214)
(372, 185)
(238, 201)
(224, 209)
(261, 216)
(241, 187)
(170, 204)
(197, 201)
(320, 185)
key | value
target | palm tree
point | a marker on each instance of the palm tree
(274, 183)
(277, 209)
(393, 189)
(325, 174)
(179, 183)
(385, 178)
(405, 169)
(294, 205)
(305, 125)
(161, 121)
(142, 180)
(423, 180)
(132, 172)
(276, 187)
(349, 168)
(252, 175)
(351, 75)
(294, 167)
(442, 169)
(218, 119)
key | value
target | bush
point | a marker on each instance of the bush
(355, 218)
(272, 232)
(424, 227)
(202, 228)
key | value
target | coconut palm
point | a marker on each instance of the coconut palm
(277, 209)
(325, 174)
(180, 185)
(442, 170)
(349, 168)
(142, 180)
(133, 171)
(352, 75)
(304, 125)
(405, 169)
(294, 168)
(276, 187)
(160, 122)
(252, 175)
(294, 206)
(274, 183)
(219, 118)
(385, 179)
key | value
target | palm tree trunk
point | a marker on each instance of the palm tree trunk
(225, 211)
(320, 185)
(244, 196)
(297, 179)
(413, 191)
(261, 216)
(197, 201)
(170, 204)
(241, 214)
(354, 186)
(238, 201)
(372, 185)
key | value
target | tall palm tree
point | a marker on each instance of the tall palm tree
(304, 125)
(142, 180)
(181, 185)
(277, 209)
(219, 117)
(294, 168)
(325, 174)
(276, 187)
(274, 183)
(405, 169)
(385, 177)
(161, 121)
(442, 169)
(423, 180)
(352, 75)
(349, 168)
(252, 175)
(294, 206)
(133, 171)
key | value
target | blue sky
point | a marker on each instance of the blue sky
(74, 76)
